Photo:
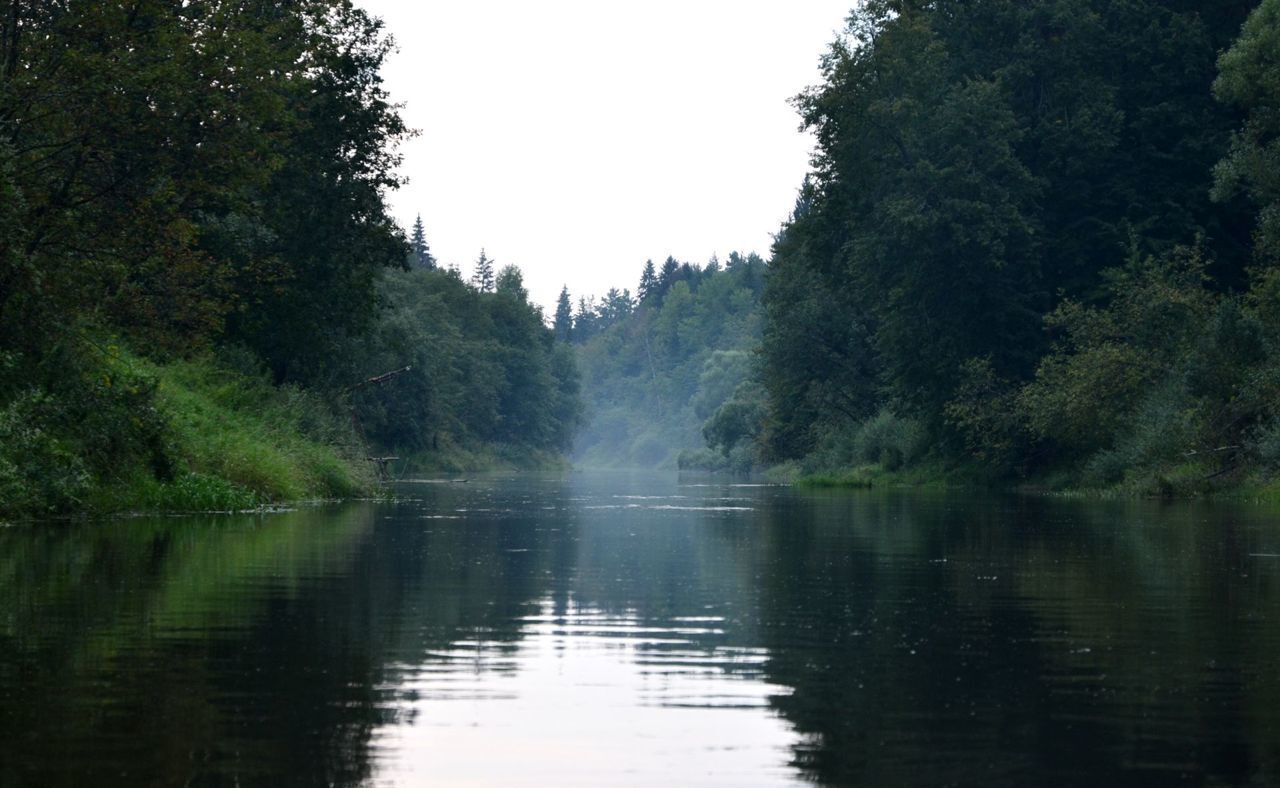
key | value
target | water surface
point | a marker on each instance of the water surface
(640, 629)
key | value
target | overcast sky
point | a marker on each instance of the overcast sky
(578, 138)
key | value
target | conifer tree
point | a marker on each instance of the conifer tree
(585, 322)
(670, 273)
(419, 251)
(483, 278)
(564, 316)
(648, 280)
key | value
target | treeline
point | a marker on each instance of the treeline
(206, 182)
(1040, 239)
(655, 367)
(487, 382)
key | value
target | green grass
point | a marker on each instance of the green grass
(450, 458)
(280, 444)
(926, 475)
(125, 434)
(240, 442)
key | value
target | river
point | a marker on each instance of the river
(640, 629)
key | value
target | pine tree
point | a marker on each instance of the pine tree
(564, 316)
(648, 281)
(670, 273)
(419, 251)
(585, 321)
(483, 278)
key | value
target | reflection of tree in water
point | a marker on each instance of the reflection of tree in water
(177, 651)
(1057, 643)
(926, 640)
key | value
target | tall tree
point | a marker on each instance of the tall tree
(1250, 80)
(563, 325)
(978, 162)
(483, 277)
(420, 252)
(648, 281)
(585, 319)
(667, 277)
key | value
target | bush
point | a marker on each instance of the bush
(40, 471)
(889, 441)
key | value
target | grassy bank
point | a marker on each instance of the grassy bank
(119, 433)
(458, 459)
(1188, 481)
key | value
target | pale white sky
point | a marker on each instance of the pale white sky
(578, 138)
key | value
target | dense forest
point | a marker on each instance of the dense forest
(1039, 242)
(198, 269)
(655, 367)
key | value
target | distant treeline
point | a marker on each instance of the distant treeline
(207, 182)
(1039, 238)
(657, 366)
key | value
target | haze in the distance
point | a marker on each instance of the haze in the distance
(576, 139)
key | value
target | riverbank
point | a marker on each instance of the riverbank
(117, 433)
(1185, 482)
(124, 434)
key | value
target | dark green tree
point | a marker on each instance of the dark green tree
(1250, 81)
(563, 325)
(648, 281)
(585, 320)
(482, 278)
(511, 282)
(667, 276)
(419, 251)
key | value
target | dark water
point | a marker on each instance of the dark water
(595, 630)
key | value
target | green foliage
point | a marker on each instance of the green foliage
(185, 173)
(419, 251)
(207, 181)
(563, 325)
(483, 370)
(1108, 358)
(653, 372)
(737, 422)
(1249, 79)
(122, 433)
(981, 168)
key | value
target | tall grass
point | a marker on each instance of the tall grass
(122, 433)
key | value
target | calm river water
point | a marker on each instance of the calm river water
(599, 629)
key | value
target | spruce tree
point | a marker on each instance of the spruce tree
(670, 273)
(648, 280)
(483, 278)
(419, 251)
(564, 316)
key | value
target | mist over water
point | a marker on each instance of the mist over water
(631, 629)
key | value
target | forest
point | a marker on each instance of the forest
(1038, 245)
(198, 269)
(655, 367)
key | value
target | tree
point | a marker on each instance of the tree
(563, 325)
(483, 279)
(420, 253)
(585, 320)
(511, 282)
(666, 277)
(1249, 79)
(648, 281)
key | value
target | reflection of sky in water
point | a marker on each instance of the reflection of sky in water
(505, 631)
(591, 698)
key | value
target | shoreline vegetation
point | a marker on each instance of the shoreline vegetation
(1038, 249)
(198, 268)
